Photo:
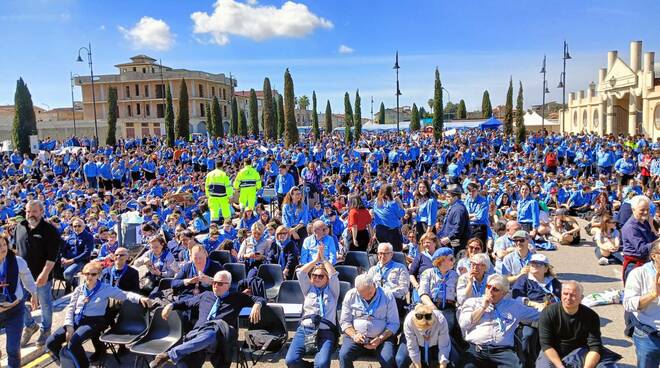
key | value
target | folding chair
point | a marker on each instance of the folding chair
(237, 271)
(132, 323)
(357, 259)
(290, 293)
(273, 278)
(160, 337)
(347, 273)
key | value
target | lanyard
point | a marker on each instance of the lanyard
(441, 289)
(89, 295)
(115, 276)
(525, 261)
(383, 271)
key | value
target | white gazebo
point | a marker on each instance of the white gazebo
(534, 122)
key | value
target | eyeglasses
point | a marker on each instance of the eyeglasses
(93, 274)
(318, 276)
(472, 264)
(77, 226)
(421, 316)
(517, 241)
(537, 264)
(220, 283)
(475, 248)
(492, 288)
(121, 255)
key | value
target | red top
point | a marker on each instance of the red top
(360, 217)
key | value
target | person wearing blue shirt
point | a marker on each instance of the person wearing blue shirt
(426, 209)
(283, 184)
(311, 244)
(90, 170)
(529, 212)
(454, 171)
(625, 167)
(295, 214)
(455, 230)
(387, 214)
(580, 201)
(477, 207)
(78, 251)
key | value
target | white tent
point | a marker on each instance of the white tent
(534, 121)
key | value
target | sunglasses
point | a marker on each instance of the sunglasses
(537, 264)
(492, 288)
(220, 283)
(318, 276)
(90, 274)
(519, 240)
(121, 255)
(421, 316)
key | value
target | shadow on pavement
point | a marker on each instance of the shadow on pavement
(586, 278)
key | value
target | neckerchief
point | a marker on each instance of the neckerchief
(440, 291)
(9, 276)
(383, 271)
(160, 259)
(525, 261)
(320, 293)
(216, 306)
(89, 295)
(371, 307)
(479, 289)
(280, 257)
(427, 337)
(115, 274)
(427, 254)
(499, 319)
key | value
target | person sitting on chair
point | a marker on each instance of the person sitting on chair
(321, 296)
(473, 283)
(438, 285)
(160, 263)
(217, 326)
(253, 249)
(369, 320)
(121, 274)
(392, 276)
(85, 316)
(426, 341)
(195, 276)
(284, 252)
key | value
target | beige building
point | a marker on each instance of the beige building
(141, 92)
(626, 99)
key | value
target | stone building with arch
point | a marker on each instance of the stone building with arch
(626, 99)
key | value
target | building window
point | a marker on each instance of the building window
(202, 110)
(157, 131)
(144, 70)
(146, 91)
(160, 91)
(575, 122)
(145, 131)
(129, 110)
(657, 117)
(212, 91)
(225, 110)
(137, 110)
(224, 95)
(147, 109)
(160, 110)
(137, 90)
(201, 91)
(134, 69)
(594, 119)
(128, 92)
(584, 120)
(153, 71)
(130, 132)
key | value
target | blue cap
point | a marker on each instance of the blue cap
(444, 251)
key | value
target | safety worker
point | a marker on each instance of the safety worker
(218, 192)
(249, 182)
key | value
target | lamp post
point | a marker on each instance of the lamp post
(562, 84)
(545, 90)
(73, 103)
(448, 100)
(372, 109)
(398, 91)
(91, 73)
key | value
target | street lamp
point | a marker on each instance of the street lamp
(448, 101)
(73, 102)
(562, 83)
(545, 91)
(398, 91)
(91, 73)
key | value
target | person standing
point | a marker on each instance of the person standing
(477, 207)
(218, 191)
(283, 184)
(387, 214)
(248, 181)
(39, 249)
(454, 230)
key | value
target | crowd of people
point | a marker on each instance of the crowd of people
(454, 231)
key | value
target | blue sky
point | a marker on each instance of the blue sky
(477, 45)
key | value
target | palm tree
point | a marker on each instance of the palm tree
(303, 102)
(430, 103)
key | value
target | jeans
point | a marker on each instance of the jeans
(196, 340)
(325, 342)
(491, 357)
(529, 346)
(647, 348)
(576, 358)
(350, 351)
(403, 357)
(12, 321)
(70, 273)
(46, 303)
(80, 335)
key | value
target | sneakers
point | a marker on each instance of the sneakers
(27, 334)
(159, 360)
(603, 261)
(43, 335)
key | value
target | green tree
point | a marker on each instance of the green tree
(169, 117)
(348, 119)
(461, 111)
(25, 122)
(280, 118)
(315, 118)
(486, 107)
(113, 112)
(216, 118)
(357, 119)
(267, 114)
(438, 118)
(422, 113)
(303, 102)
(290, 126)
(209, 120)
(414, 119)
(183, 119)
(508, 111)
(233, 123)
(520, 117)
(253, 117)
(450, 110)
(242, 124)
(381, 114)
(328, 118)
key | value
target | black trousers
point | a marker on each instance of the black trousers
(480, 232)
(392, 236)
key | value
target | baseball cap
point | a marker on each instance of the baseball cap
(540, 258)
(520, 234)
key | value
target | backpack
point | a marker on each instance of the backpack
(265, 341)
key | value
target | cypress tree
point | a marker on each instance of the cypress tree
(508, 111)
(183, 119)
(290, 126)
(414, 119)
(462, 110)
(438, 118)
(242, 124)
(422, 113)
(315, 118)
(209, 120)
(381, 114)
(328, 118)
(113, 111)
(216, 118)
(254, 114)
(25, 122)
(280, 117)
(348, 119)
(169, 118)
(357, 119)
(233, 123)
(520, 117)
(486, 107)
(267, 116)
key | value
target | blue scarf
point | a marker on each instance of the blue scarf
(383, 271)
(440, 291)
(216, 306)
(320, 293)
(371, 307)
(89, 295)
(9, 276)
(115, 274)
(479, 289)
(160, 259)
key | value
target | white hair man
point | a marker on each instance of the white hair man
(637, 236)
(392, 276)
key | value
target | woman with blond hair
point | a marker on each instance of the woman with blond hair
(295, 214)
(426, 342)
(422, 261)
(607, 239)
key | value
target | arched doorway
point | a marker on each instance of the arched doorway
(585, 121)
(200, 128)
(595, 120)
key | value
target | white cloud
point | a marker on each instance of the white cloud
(256, 22)
(102, 27)
(149, 33)
(343, 49)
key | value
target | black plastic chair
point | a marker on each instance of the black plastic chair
(290, 293)
(237, 271)
(220, 256)
(347, 273)
(132, 323)
(273, 278)
(399, 257)
(344, 287)
(357, 259)
(273, 326)
(160, 337)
